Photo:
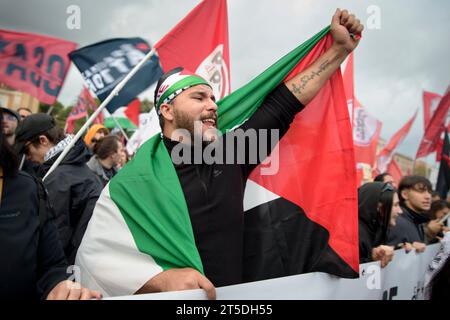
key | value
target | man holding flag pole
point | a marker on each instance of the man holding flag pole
(178, 224)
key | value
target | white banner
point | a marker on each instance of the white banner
(402, 279)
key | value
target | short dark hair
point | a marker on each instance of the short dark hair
(24, 108)
(410, 182)
(436, 206)
(435, 194)
(380, 177)
(106, 146)
(54, 135)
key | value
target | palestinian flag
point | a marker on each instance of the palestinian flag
(302, 219)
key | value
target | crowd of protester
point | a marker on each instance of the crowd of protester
(408, 218)
(44, 220)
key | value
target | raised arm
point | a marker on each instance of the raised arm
(346, 31)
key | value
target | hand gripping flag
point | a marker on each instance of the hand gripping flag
(141, 224)
(34, 63)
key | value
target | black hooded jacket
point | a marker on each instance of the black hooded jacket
(409, 227)
(32, 259)
(372, 229)
(73, 190)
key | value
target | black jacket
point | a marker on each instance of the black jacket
(409, 228)
(73, 190)
(372, 229)
(32, 259)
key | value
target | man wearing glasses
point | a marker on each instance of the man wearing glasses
(415, 199)
(10, 119)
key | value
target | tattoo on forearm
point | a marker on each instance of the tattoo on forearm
(298, 89)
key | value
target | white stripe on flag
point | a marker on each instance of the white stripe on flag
(256, 195)
(108, 257)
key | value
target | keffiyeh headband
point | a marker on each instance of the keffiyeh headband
(176, 82)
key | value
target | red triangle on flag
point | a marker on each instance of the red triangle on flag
(133, 110)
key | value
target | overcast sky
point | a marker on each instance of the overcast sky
(409, 53)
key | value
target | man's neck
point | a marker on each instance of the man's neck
(410, 208)
(10, 139)
(106, 163)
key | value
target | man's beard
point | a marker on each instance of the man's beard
(184, 121)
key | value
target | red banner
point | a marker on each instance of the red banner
(84, 103)
(199, 43)
(34, 63)
(430, 102)
(435, 128)
(394, 170)
(385, 155)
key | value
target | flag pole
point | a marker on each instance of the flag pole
(120, 127)
(113, 93)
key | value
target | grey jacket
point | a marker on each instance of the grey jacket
(96, 167)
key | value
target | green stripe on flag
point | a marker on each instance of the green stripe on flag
(237, 107)
(125, 123)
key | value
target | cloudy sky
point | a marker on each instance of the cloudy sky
(394, 63)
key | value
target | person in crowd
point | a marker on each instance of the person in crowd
(33, 262)
(107, 156)
(95, 133)
(10, 120)
(214, 199)
(437, 276)
(378, 208)
(435, 196)
(73, 188)
(436, 228)
(24, 112)
(415, 200)
(385, 177)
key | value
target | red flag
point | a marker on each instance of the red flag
(385, 155)
(435, 128)
(359, 175)
(34, 63)
(349, 87)
(395, 171)
(133, 110)
(79, 110)
(317, 172)
(366, 133)
(199, 43)
(430, 103)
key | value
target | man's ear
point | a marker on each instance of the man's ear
(405, 194)
(167, 111)
(43, 140)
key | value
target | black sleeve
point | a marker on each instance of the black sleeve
(85, 198)
(277, 111)
(51, 260)
(397, 234)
